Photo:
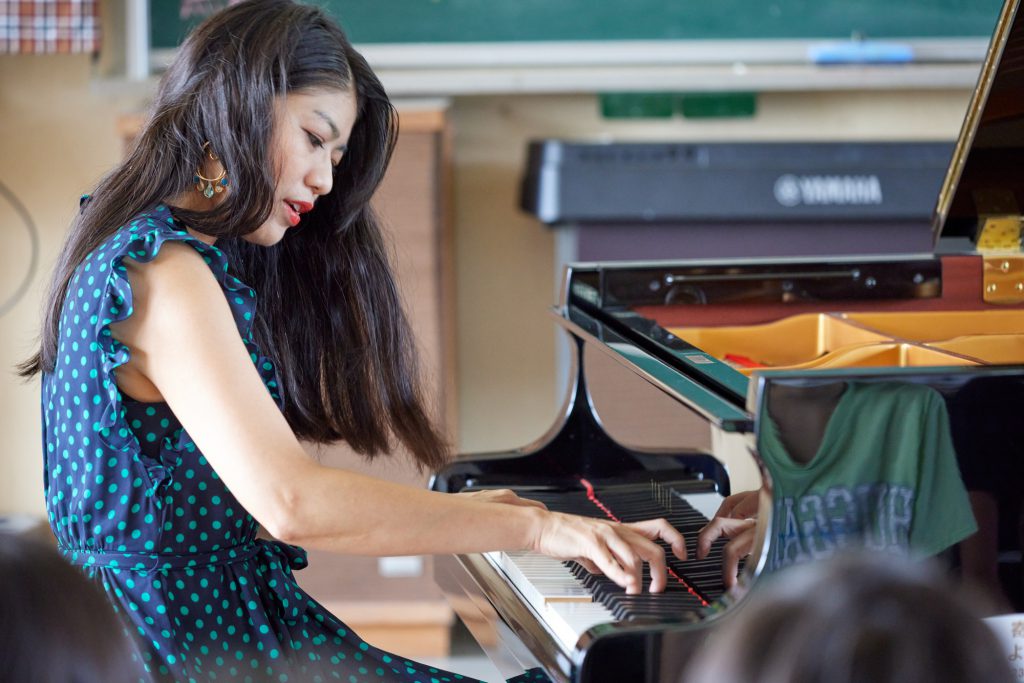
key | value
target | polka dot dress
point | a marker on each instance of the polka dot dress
(133, 501)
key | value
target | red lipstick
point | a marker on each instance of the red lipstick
(292, 214)
(295, 209)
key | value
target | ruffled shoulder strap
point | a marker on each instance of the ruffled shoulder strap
(100, 295)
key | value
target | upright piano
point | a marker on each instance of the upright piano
(673, 364)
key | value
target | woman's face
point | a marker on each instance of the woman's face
(310, 138)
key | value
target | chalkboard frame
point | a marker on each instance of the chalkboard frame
(516, 21)
(443, 69)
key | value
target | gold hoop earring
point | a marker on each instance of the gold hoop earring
(209, 186)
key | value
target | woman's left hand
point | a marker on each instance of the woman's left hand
(741, 534)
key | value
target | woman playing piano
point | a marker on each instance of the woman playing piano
(223, 293)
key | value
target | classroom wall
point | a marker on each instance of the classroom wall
(58, 135)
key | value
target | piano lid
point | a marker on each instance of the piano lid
(985, 178)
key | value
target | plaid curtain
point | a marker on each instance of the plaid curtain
(49, 26)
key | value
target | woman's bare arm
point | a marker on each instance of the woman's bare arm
(183, 339)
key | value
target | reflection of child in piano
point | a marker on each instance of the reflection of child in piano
(174, 400)
(853, 619)
(852, 464)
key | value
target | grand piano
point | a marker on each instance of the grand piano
(675, 364)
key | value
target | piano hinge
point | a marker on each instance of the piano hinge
(999, 243)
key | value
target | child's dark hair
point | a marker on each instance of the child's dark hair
(853, 619)
(55, 625)
(329, 312)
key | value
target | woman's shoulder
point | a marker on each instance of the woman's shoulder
(141, 238)
(102, 280)
(151, 236)
(156, 250)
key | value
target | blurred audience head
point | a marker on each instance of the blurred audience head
(55, 625)
(853, 619)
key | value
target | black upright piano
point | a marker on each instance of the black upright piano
(673, 364)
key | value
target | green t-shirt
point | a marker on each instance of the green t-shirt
(885, 478)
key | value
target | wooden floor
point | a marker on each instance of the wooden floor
(466, 657)
(412, 629)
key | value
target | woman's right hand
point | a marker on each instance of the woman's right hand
(616, 550)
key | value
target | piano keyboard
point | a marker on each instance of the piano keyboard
(570, 600)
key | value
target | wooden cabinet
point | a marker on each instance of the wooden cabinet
(405, 613)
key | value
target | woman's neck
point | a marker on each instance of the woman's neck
(191, 201)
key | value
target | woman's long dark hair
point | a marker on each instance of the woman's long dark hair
(329, 312)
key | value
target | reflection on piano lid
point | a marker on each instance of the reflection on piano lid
(702, 343)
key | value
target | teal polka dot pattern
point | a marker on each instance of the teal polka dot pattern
(136, 505)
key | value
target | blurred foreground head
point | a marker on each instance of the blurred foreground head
(854, 619)
(56, 626)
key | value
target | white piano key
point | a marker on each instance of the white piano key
(554, 594)
(571, 619)
(705, 503)
(548, 579)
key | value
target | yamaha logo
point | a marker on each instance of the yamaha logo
(817, 190)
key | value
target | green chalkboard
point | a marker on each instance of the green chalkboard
(455, 21)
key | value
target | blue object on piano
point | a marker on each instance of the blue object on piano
(860, 52)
